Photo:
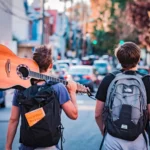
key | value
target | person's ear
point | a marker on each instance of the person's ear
(50, 66)
(139, 60)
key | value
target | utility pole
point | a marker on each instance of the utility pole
(43, 22)
(71, 10)
(65, 6)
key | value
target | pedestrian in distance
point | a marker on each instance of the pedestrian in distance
(44, 132)
(123, 103)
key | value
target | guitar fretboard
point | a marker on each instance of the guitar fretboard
(46, 77)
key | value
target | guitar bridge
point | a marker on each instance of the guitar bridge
(8, 67)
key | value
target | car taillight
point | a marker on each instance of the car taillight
(87, 77)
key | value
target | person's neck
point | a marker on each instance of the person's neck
(45, 73)
(131, 69)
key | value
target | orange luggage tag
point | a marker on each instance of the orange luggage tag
(35, 116)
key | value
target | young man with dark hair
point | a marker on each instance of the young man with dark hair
(117, 103)
(67, 97)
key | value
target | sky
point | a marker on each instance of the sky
(56, 4)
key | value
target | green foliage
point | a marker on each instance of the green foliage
(106, 41)
(122, 3)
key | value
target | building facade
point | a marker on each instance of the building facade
(5, 22)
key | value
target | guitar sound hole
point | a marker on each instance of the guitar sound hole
(24, 71)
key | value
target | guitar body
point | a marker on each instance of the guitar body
(14, 71)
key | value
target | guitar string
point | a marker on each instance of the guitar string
(46, 77)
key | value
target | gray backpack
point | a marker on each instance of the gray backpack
(125, 111)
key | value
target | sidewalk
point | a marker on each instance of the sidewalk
(4, 114)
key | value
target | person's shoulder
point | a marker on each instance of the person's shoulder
(107, 79)
(146, 77)
(58, 85)
(111, 75)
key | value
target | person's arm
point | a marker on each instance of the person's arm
(70, 107)
(12, 127)
(148, 112)
(101, 98)
(98, 115)
(70, 110)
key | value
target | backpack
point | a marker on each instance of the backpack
(125, 111)
(47, 131)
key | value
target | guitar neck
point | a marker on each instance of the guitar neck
(46, 77)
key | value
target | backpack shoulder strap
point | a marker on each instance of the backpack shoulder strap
(115, 72)
(50, 83)
(122, 76)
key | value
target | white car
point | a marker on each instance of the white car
(102, 67)
(67, 61)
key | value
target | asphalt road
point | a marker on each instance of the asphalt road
(81, 134)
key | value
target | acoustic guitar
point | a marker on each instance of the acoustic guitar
(16, 72)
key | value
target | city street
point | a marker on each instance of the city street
(81, 134)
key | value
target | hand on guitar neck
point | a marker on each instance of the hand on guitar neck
(76, 87)
(19, 72)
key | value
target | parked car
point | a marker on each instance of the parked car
(56, 70)
(2, 99)
(118, 67)
(86, 61)
(83, 74)
(143, 70)
(105, 57)
(63, 67)
(89, 60)
(76, 62)
(67, 61)
(102, 67)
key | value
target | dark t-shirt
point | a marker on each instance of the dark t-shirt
(102, 90)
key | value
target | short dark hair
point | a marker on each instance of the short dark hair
(43, 57)
(128, 55)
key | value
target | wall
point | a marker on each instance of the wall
(20, 25)
(5, 23)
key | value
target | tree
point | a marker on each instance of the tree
(118, 28)
(137, 12)
(106, 41)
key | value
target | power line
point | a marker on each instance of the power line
(22, 18)
(6, 9)
(8, 2)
